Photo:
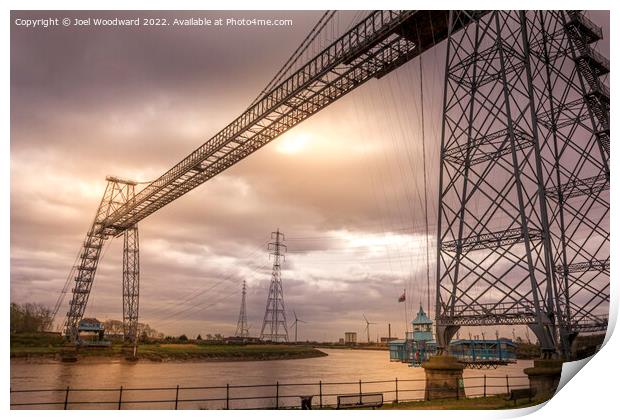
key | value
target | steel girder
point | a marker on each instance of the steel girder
(380, 43)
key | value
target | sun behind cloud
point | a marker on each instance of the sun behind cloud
(293, 143)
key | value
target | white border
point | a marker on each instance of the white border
(589, 396)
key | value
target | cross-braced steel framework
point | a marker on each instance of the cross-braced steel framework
(242, 322)
(524, 208)
(131, 284)
(117, 193)
(573, 131)
(274, 323)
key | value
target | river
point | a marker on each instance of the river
(341, 365)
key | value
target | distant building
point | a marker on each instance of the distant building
(385, 340)
(350, 338)
(91, 332)
(241, 340)
(341, 341)
(91, 325)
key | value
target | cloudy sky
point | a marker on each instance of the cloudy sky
(345, 187)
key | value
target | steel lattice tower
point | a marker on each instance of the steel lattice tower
(242, 323)
(573, 116)
(520, 139)
(131, 284)
(118, 192)
(274, 323)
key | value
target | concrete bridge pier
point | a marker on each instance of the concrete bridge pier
(444, 378)
(545, 376)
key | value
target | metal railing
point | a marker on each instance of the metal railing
(260, 396)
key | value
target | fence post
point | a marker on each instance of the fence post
(120, 397)
(507, 385)
(485, 386)
(457, 388)
(321, 394)
(66, 398)
(228, 396)
(277, 394)
(360, 391)
(396, 390)
(176, 399)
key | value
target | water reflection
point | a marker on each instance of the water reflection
(340, 366)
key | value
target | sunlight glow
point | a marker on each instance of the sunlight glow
(291, 144)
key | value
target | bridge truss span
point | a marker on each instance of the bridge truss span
(377, 45)
(380, 43)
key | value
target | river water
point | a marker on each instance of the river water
(342, 366)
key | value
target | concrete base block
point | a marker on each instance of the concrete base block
(444, 378)
(545, 377)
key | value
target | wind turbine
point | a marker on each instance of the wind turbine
(297, 320)
(368, 324)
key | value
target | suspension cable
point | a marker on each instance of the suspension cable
(428, 260)
(294, 58)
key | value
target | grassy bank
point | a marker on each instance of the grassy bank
(38, 347)
(489, 403)
(227, 352)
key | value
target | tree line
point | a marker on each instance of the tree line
(35, 317)
(29, 318)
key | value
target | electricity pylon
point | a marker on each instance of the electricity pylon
(274, 323)
(242, 323)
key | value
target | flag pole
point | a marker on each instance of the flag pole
(406, 317)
